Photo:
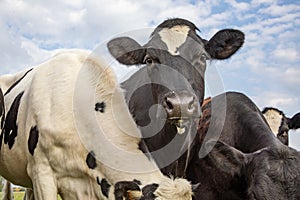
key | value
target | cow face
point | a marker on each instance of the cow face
(270, 173)
(280, 124)
(174, 60)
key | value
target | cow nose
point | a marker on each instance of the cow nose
(181, 105)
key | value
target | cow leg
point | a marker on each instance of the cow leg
(44, 188)
(7, 191)
(28, 195)
(44, 184)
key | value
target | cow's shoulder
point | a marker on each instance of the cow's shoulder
(8, 81)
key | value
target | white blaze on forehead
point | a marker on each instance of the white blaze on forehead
(274, 120)
(174, 37)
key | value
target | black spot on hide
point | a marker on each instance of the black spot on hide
(10, 128)
(2, 109)
(148, 191)
(91, 160)
(16, 83)
(33, 139)
(105, 186)
(137, 181)
(100, 107)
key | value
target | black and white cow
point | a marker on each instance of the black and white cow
(238, 156)
(60, 135)
(280, 124)
(165, 94)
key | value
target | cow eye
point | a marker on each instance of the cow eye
(148, 60)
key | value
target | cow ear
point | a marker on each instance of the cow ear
(126, 50)
(226, 158)
(294, 122)
(225, 43)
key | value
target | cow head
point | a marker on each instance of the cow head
(270, 173)
(175, 61)
(281, 124)
(167, 106)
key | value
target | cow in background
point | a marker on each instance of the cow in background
(281, 124)
(238, 157)
(48, 122)
(165, 94)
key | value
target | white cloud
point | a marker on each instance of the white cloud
(76, 16)
(279, 10)
(287, 54)
(258, 2)
(294, 139)
(277, 99)
(214, 21)
(56, 24)
(34, 52)
(288, 35)
(238, 5)
(277, 29)
(292, 76)
(11, 54)
(286, 18)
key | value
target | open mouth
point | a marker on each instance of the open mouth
(181, 124)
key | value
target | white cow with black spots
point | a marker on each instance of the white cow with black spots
(66, 129)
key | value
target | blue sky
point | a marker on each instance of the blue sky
(267, 68)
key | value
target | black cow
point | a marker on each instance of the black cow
(281, 124)
(165, 95)
(248, 161)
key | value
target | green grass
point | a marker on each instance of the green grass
(20, 195)
(17, 195)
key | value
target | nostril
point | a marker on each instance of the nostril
(169, 104)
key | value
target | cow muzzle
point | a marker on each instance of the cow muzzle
(181, 107)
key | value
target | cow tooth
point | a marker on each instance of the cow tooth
(180, 130)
